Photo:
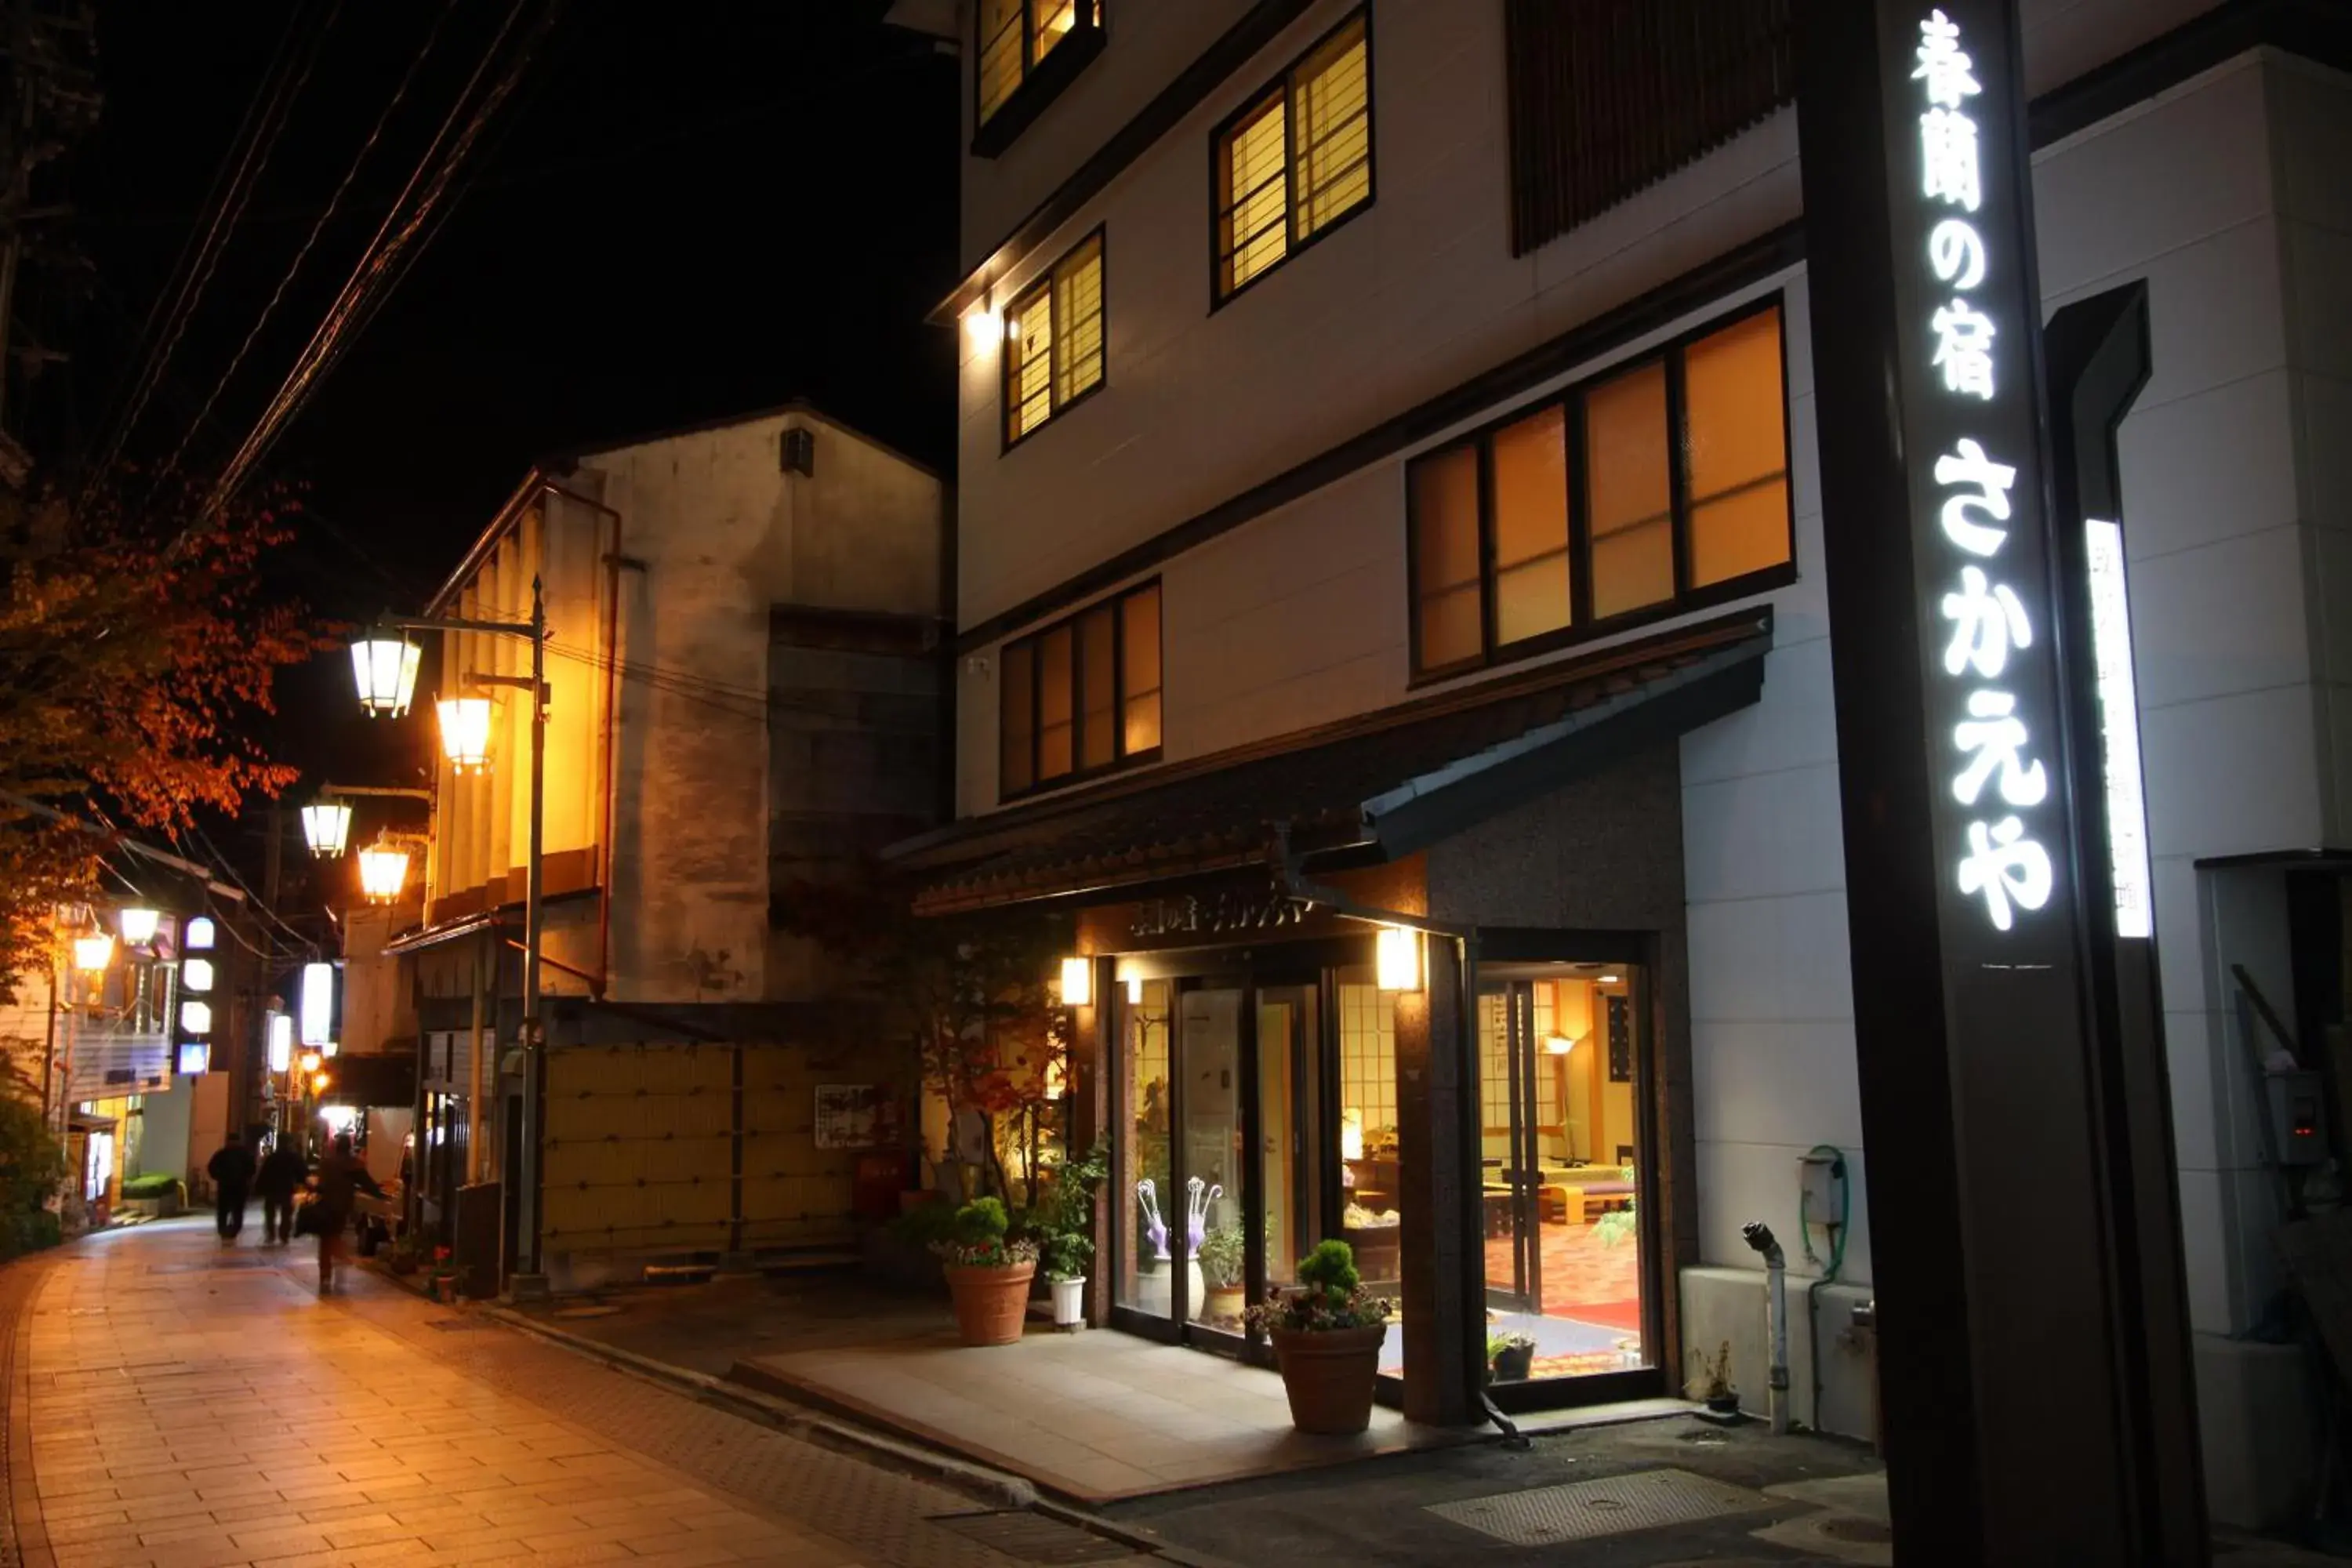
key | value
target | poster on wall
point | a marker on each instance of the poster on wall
(856, 1116)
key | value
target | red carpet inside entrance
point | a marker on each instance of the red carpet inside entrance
(1584, 1278)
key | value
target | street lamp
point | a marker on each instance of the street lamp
(138, 925)
(326, 828)
(383, 870)
(394, 636)
(465, 732)
(384, 665)
(93, 951)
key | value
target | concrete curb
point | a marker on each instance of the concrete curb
(984, 1485)
(993, 1488)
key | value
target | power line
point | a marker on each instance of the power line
(326, 216)
(365, 290)
(276, 112)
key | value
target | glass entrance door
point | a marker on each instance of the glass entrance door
(1222, 1159)
(1565, 1147)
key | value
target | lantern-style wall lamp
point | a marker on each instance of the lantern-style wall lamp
(465, 732)
(383, 665)
(1078, 982)
(383, 870)
(326, 828)
(139, 925)
(1396, 959)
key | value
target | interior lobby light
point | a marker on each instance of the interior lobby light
(384, 667)
(1135, 991)
(138, 925)
(1078, 982)
(1351, 1134)
(1558, 1045)
(1397, 958)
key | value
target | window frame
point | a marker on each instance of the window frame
(1045, 283)
(1040, 83)
(1582, 626)
(1121, 758)
(1284, 82)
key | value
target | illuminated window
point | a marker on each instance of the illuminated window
(1631, 491)
(1082, 696)
(1016, 37)
(1296, 159)
(1053, 340)
(1736, 451)
(1656, 488)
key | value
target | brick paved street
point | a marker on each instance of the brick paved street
(179, 1405)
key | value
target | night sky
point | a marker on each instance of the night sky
(684, 211)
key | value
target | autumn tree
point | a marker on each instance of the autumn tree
(136, 638)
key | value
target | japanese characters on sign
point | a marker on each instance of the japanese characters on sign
(1995, 772)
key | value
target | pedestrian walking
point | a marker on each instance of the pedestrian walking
(283, 1171)
(231, 1170)
(340, 1177)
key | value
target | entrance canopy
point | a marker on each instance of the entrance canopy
(1365, 790)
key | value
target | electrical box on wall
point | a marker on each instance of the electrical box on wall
(2298, 1122)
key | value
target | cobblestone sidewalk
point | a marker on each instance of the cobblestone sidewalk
(181, 1404)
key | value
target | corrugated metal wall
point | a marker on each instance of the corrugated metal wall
(641, 1149)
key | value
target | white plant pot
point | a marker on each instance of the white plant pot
(1069, 1303)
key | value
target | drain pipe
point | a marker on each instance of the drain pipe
(1759, 1235)
(1292, 880)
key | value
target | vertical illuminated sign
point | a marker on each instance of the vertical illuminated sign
(1997, 684)
(318, 1004)
(2119, 730)
(281, 1042)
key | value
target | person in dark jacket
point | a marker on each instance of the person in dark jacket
(232, 1173)
(340, 1177)
(282, 1173)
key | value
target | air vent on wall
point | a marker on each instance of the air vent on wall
(797, 451)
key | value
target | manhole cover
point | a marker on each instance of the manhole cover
(1584, 1511)
(459, 1325)
(1028, 1536)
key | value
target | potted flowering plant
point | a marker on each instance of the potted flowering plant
(988, 1273)
(1327, 1336)
(1222, 1259)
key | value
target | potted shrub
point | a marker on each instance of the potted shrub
(401, 1258)
(158, 1193)
(1512, 1356)
(1221, 1265)
(1327, 1337)
(1063, 1223)
(988, 1273)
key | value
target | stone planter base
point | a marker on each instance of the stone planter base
(1328, 1376)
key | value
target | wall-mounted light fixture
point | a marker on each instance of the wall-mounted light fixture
(1078, 982)
(139, 926)
(1396, 959)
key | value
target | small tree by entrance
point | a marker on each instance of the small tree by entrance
(973, 995)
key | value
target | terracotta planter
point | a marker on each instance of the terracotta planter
(991, 1304)
(1328, 1376)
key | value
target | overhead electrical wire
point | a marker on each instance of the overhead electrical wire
(367, 289)
(326, 216)
(282, 83)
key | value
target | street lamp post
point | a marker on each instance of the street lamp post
(387, 676)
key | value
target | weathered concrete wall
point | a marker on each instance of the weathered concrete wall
(725, 536)
(378, 1012)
